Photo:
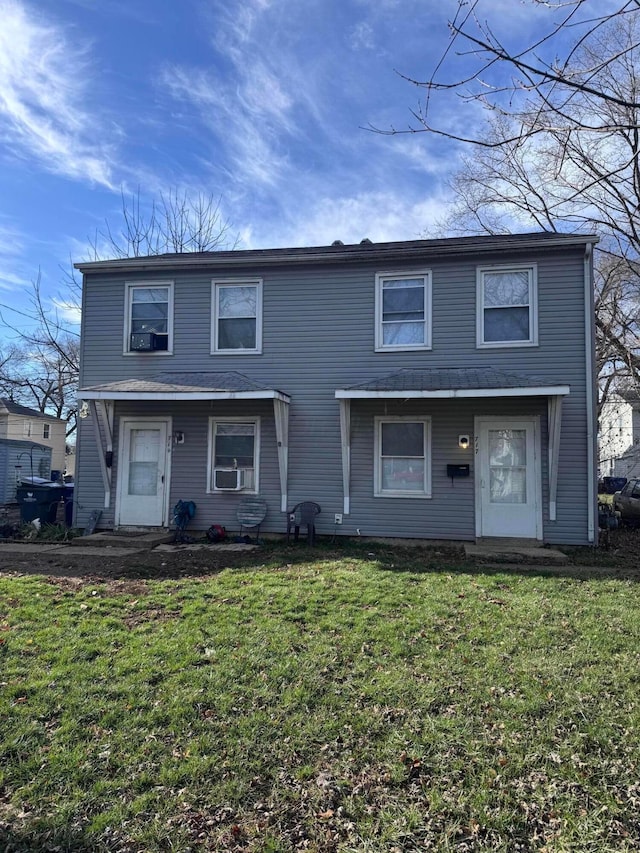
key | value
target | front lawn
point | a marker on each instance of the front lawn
(363, 703)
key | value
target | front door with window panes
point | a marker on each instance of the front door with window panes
(142, 474)
(509, 478)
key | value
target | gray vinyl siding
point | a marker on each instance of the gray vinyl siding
(318, 336)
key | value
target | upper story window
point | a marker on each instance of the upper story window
(46, 430)
(26, 428)
(507, 306)
(403, 457)
(149, 321)
(237, 316)
(403, 311)
(233, 454)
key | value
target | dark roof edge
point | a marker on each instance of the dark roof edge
(386, 252)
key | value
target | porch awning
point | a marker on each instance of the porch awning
(182, 387)
(455, 383)
(443, 383)
(229, 385)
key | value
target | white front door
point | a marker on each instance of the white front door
(142, 475)
(508, 488)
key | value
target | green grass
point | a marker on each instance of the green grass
(368, 703)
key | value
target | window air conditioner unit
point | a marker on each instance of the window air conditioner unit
(147, 342)
(228, 479)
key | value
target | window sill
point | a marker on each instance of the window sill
(240, 492)
(147, 353)
(414, 495)
(416, 348)
(236, 352)
(506, 344)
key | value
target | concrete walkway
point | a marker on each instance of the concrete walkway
(513, 553)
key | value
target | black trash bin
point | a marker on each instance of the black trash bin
(67, 491)
(39, 501)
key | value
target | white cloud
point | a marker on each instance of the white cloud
(44, 93)
(11, 245)
(380, 216)
(67, 312)
(246, 116)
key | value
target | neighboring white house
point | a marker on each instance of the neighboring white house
(19, 423)
(619, 436)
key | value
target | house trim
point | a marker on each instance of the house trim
(354, 253)
(183, 395)
(451, 393)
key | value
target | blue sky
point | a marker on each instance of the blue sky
(260, 102)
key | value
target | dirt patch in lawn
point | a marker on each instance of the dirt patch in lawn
(619, 557)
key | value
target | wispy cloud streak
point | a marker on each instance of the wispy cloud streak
(44, 92)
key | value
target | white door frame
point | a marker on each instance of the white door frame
(149, 420)
(486, 421)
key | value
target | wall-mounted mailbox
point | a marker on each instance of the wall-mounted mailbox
(457, 471)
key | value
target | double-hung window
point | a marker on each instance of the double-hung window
(234, 454)
(237, 316)
(149, 321)
(403, 457)
(46, 430)
(507, 306)
(403, 311)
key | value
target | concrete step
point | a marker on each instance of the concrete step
(508, 552)
(123, 539)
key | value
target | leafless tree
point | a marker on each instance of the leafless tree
(175, 222)
(41, 369)
(43, 378)
(557, 147)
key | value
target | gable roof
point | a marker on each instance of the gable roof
(365, 251)
(8, 406)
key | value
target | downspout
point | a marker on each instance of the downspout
(592, 530)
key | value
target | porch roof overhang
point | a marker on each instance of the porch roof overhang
(456, 383)
(182, 387)
(452, 383)
(228, 385)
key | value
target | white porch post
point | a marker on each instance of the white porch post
(345, 435)
(102, 416)
(555, 423)
(281, 415)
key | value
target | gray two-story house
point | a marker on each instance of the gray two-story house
(424, 389)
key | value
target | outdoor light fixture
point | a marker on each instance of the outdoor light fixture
(84, 409)
(463, 442)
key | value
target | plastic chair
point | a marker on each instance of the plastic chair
(303, 513)
(251, 512)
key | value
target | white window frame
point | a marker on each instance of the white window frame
(532, 271)
(46, 431)
(211, 453)
(130, 286)
(378, 491)
(216, 285)
(27, 428)
(381, 278)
